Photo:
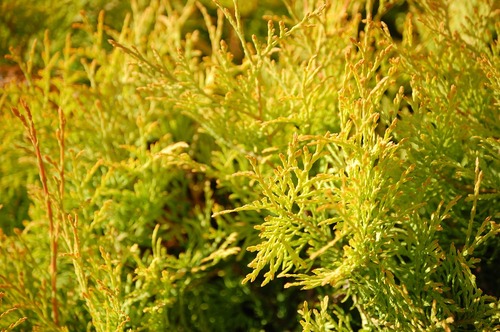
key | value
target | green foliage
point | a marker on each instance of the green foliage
(191, 166)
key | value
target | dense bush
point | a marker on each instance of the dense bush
(276, 167)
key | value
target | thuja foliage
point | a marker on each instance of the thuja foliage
(253, 166)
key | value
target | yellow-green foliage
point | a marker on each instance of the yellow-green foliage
(249, 166)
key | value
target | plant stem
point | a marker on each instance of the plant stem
(53, 231)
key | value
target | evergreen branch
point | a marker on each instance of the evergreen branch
(29, 125)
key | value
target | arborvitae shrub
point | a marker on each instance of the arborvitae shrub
(260, 166)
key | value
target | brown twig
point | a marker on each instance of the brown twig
(29, 125)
